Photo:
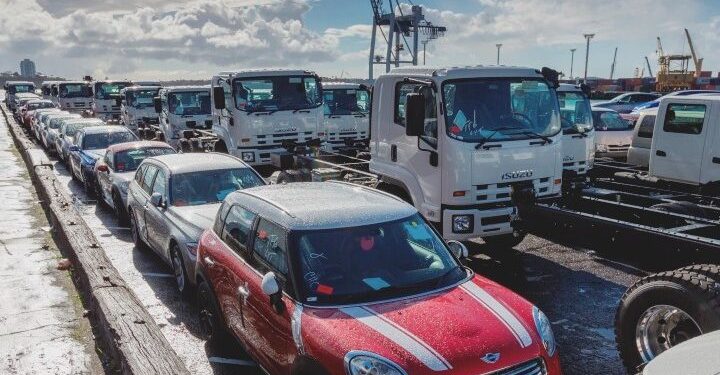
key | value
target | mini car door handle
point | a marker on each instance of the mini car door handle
(244, 292)
(209, 261)
(660, 153)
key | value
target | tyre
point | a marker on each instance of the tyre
(89, 187)
(396, 191)
(220, 146)
(178, 265)
(135, 232)
(119, 208)
(504, 241)
(212, 324)
(711, 271)
(285, 178)
(663, 310)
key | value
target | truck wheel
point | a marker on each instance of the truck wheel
(505, 241)
(220, 146)
(285, 178)
(212, 325)
(711, 271)
(663, 310)
(396, 191)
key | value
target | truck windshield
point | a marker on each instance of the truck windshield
(204, 187)
(100, 141)
(75, 90)
(609, 120)
(189, 103)
(281, 93)
(575, 114)
(140, 99)
(106, 91)
(373, 262)
(501, 109)
(346, 101)
(21, 88)
(129, 160)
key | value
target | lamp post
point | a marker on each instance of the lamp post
(587, 53)
(572, 60)
(498, 53)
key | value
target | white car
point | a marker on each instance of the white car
(613, 134)
(639, 151)
(697, 356)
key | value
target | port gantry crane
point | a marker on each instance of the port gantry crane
(399, 26)
(673, 70)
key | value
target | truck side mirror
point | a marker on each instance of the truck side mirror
(118, 101)
(414, 115)
(219, 97)
(157, 104)
(54, 92)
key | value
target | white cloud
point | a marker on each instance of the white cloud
(358, 31)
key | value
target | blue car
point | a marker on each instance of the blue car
(624, 103)
(90, 145)
(655, 103)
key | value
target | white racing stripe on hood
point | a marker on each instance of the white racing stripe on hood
(409, 342)
(500, 311)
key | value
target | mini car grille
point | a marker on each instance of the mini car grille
(534, 367)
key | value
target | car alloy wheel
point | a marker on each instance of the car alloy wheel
(178, 269)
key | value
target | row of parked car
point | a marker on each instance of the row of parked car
(310, 278)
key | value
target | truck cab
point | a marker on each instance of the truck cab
(686, 141)
(137, 106)
(105, 99)
(346, 107)
(73, 96)
(458, 142)
(16, 87)
(256, 111)
(181, 108)
(578, 139)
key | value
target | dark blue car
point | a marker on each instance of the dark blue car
(90, 145)
(625, 103)
(655, 103)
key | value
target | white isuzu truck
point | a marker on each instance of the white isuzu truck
(72, 96)
(347, 109)
(461, 143)
(181, 109)
(137, 108)
(256, 111)
(105, 99)
(578, 140)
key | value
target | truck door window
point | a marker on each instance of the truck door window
(684, 118)
(270, 246)
(237, 228)
(401, 92)
(646, 127)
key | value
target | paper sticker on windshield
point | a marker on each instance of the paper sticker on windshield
(295, 80)
(376, 283)
(460, 119)
(350, 92)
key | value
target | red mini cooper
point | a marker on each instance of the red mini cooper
(334, 278)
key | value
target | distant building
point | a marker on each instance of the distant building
(27, 68)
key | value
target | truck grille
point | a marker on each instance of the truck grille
(340, 137)
(618, 148)
(501, 192)
(277, 139)
(534, 367)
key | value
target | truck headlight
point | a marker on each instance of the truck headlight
(544, 329)
(248, 157)
(364, 363)
(463, 223)
(601, 147)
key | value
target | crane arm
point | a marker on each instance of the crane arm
(696, 60)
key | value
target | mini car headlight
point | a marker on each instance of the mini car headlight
(361, 363)
(542, 324)
(248, 157)
(601, 147)
(462, 223)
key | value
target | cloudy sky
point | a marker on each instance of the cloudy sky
(161, 39)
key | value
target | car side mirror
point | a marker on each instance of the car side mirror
(157, 104)
(74, 148)
(414, 115)
(156, 199)
(458, 249)
(219, 97)
(271, 288)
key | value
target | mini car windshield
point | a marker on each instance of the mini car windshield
(129, 160)
(189, 103)
(500, 109)
(346, 101)
(195, 188)
(374, 262)
(606, 120)
(575, 112)
(99, 141)
(75, 90)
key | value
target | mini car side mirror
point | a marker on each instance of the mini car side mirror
(156, 199)
(458, 249)
(271, 288)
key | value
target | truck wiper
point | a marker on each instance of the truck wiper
(537, 135)
(360, 114)
(484, 140)
(258, 113)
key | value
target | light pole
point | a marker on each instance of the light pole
(498, 54)
(587, 53)
(572, 60)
